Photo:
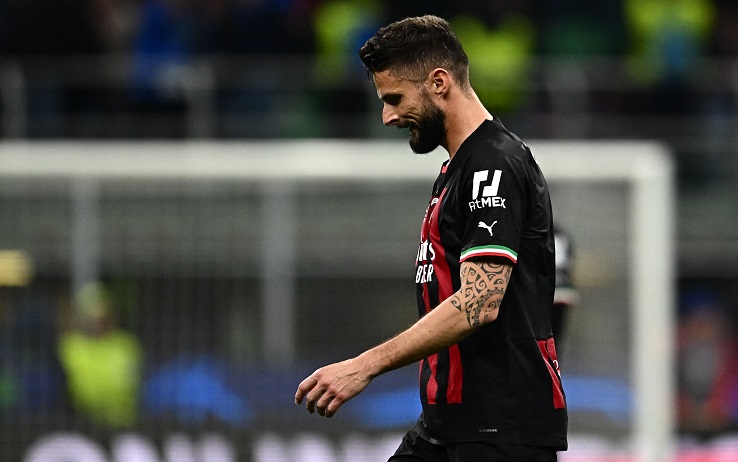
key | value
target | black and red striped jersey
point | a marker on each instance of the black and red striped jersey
(501, 383)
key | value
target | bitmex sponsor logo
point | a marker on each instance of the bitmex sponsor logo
(488, 189)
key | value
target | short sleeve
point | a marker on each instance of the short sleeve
(494, 201)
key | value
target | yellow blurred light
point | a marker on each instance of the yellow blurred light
(16, 268)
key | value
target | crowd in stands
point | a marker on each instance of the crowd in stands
(499, 35)
(662, 41)
(673, 29)
(299, 26)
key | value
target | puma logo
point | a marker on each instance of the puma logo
(486, 226)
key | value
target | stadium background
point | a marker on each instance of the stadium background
(180, 261)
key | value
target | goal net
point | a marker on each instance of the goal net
(236, 268)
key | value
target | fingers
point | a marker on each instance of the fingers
(311, 399)
(317, 397)
(311, 392)
(321, 400)
(304, 387)
(328, 404)
(332, 408)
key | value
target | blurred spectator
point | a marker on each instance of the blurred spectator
(165, 44)
(565, 296)
(719, 99)
(725, 36)
(581, 27)
(262, 27)
(31, 379)
(115, 23)
(395, 11)
(46, 27)
(102, 362)
(492, 14)
(341, 27)
(667, 37)
(707, 364)
(501, 58)
(8, 383)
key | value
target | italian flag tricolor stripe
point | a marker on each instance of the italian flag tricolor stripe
(490, 251)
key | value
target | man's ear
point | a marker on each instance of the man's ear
(440, 81)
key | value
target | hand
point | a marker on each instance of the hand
(326, 389)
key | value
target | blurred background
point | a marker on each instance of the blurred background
(135, 313)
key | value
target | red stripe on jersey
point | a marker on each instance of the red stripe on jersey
(425, 236)
(548, 351)
(440, 265)
(442, 273)
(432, 386)
(455, 376)
(426, 298)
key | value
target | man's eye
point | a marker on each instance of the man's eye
(393, 100)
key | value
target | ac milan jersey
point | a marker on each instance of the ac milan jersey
(501, 384)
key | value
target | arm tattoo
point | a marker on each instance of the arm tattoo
(482, 286)
(456, 301)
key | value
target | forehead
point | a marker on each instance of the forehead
(388, 84)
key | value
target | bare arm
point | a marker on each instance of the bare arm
(483, 284)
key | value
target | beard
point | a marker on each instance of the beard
(428, 132)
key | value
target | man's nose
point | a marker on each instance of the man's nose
(389, 115)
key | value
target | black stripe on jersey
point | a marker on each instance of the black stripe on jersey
(442, 374)
(425, 375)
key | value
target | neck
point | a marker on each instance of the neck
(464, 114)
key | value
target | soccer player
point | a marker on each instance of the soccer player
(565, 296)
(489, 376)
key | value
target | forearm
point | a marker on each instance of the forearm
(476, 303)
(439, 329)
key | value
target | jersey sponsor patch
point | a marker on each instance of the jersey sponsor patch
(485, 190)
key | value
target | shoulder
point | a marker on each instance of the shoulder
(494, 146)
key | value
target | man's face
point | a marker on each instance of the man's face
(407, 105)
